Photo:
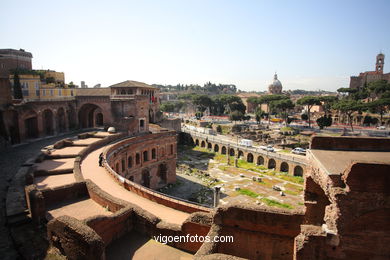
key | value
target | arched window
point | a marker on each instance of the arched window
(123, 165)
(145, 154)
(137, 159)
(153, 153)
(130, 162)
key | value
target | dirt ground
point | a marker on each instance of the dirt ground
(199, 171)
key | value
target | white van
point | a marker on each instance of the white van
(246, 142)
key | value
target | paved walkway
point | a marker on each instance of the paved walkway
(137, 246)
(80, 209)
(91, 170)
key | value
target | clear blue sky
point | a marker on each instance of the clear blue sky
(311, 44)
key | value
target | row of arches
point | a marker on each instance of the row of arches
(270, 164)
(44, 123)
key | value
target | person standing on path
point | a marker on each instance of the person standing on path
(101, 159)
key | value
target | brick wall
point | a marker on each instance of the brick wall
(350, 143)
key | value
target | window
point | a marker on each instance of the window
(60, 92)
(123, 165)
(130, 162)
(146, 156)
(171, 149)
(51, 92)
(44, 92)
(153, 153)
(141, 123)
(37, 89)
(137, 159)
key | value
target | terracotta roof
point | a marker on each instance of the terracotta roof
(93, 91)
(131, 84)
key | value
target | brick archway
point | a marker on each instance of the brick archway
(87, 115)
(284, 167)
(260, 160)
(48, 122)
(298, 171)
(30, 120)
(271, 164)
(249, 158)
(61, 120)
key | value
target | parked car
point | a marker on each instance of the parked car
(262, 147)
(382, 127)
(299, 150)
(270, 149)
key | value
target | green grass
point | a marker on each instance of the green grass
(225, 129)
(290, 178)
(274, 203)
(300, 203)
(268, 202)
(291, 192)
(248, 193)
(286, 128)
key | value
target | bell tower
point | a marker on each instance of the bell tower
(380, 62)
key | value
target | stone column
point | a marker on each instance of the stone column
(55, 122)
(41, 131)
(217, 192)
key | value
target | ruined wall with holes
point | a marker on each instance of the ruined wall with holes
(149, 160)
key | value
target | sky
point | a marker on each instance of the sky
(311, 45)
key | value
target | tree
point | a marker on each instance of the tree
(327, 102)
(309, 102)
(267, 99)
(283, 105)
(259, 114)
(324, 121)
(18, 94)
(347, 90)
(202, 102)
(348, 107)
(199, 115)
(379, 87)
(226, 103)
(219, 129)
(236, 116)
(71, 85)
(379, 106)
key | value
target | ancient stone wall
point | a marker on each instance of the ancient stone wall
(149, 160)
(350, 143)
(258, 232)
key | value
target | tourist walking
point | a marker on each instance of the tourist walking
(101, 159)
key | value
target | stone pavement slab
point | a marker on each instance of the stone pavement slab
(86, 141)
(69, 150)
(52, 181)
(55, 164)
(80, 209)
(139, 247)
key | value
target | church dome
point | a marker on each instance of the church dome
(276, 82)
(276, 86)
